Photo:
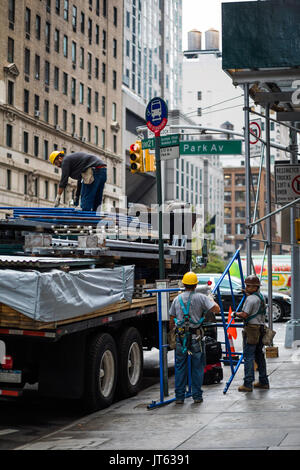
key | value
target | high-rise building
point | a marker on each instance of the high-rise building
(60, 88)
(152, 66)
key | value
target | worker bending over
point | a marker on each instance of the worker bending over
(90, 173)
(187, 314)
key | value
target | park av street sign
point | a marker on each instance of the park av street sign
(210, 147)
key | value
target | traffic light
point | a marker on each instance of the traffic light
(136, 158)
(297, 229)
(149, 161)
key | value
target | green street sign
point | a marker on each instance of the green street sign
(210, 147)
(171, 140)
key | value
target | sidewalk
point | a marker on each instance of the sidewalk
(261, 420)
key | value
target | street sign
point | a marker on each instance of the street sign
(169, 153)
(156, 115)
(210, 147)
(287, 182)
(165, 141)
(255, 147)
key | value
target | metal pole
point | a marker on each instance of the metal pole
(293, 326)
(269, 221)
(248, 176)
(161, 256)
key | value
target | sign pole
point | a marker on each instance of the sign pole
(156, 119)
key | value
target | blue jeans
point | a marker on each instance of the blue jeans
(254, 352)
(91, 194)
(181, 370)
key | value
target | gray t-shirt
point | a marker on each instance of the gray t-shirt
(251, 306)
(76, 163)
(199, 304)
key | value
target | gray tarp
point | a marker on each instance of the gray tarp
(56, 295)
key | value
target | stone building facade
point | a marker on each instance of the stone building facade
(60, 88)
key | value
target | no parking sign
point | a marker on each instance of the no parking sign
(287, 182)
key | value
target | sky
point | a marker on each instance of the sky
(201, 15)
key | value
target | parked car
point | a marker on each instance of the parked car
(281, 302)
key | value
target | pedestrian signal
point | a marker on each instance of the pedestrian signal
(297, 228)
(149, 161)
(136, 157)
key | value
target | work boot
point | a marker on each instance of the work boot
(263, 386)
(179, 402)
(198, 400)
(243, 388)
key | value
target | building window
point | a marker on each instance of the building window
(57, 7)
(89, 100)
(89, 64)
(36, 146)
(73, 90)
(240, 229)
(240, 212)
(66, 10)
(103, 138)
(46, 148)
(104, 39)
(227, 212)
(80, 127)
(10, 92)
(55, 115)
(114, 112)
(96, 101)
(239, 180)
(38, 27)
(47, 36)
(96, 68)
(56, 40)
(103, 72)
(65, 46)
(10, 50)
(239, 196)
(74, 52)
(56, 78)
(74, 18)
(11, 11)
(96, 135)
(97, 34)
(25, 142)
(114, 80)
(36, 103)
(115, 16)
(26, 101)
(82, 21)
(199, 95)
(115, 143)
(48, 6)
(73, 124)
(103, 106)
(9, 135)
(90, 30)
(27, 62)
(81, 58)
(81, 93)
(114, 175)
(47, 73)
(27, 20)
(46, 111)
(65, 119)
(37, 67)
(227, 196)
(25, 184)
(199, 111)
(104, 8)
(227, 180)
(89, 131)
(8, 180)
(65, 83)
(115, 48)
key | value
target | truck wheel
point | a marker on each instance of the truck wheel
(101, 372)
(130, 362)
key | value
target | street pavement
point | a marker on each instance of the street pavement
(260, 420)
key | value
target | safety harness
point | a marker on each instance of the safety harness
(262, 308)
(183, 330)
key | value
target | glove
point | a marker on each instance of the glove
(57, 201)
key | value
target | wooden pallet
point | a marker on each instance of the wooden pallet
(10, 318)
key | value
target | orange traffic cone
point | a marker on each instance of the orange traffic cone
(232, 333)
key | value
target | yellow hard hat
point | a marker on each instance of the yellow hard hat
(190, 279)
(55, 154)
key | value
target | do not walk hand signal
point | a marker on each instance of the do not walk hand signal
(136, 157)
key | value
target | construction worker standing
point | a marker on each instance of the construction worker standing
(88, 170)
(187, 315)
(253, 315)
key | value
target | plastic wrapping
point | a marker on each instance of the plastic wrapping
(56, 295)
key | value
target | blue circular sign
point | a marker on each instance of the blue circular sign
(156, 115)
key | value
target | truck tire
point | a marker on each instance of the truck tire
(130, 363)
(101, 372)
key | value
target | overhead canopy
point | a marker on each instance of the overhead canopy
(261, 47)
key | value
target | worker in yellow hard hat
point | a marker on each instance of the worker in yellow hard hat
(90, 173)
(187, 314)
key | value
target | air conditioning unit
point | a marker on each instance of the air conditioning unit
(37, 113)
(75, 136)
(57, 127)
(83, 139)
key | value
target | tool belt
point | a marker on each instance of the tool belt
(88, 176)
(252, 333)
